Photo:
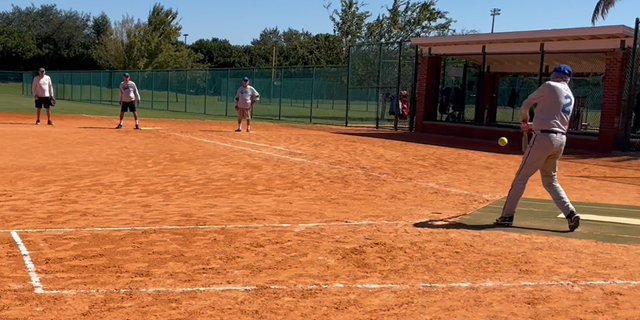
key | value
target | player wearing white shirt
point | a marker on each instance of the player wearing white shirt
(246, 97)
(129, 99)
(42, 91)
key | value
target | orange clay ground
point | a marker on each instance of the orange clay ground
(83, 174)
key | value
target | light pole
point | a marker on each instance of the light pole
(494, 12)
(185, 38)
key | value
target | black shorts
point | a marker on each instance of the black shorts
(43, 103)
(128, 107)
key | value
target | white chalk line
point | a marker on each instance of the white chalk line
(31, 269)
(385, 176)
(485, 285)
(208, 227)
(260, 144)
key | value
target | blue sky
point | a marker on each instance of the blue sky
(241, 21)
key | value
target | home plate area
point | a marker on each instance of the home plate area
(600, 222)
(266, 258)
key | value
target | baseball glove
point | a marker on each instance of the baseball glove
(53, 102)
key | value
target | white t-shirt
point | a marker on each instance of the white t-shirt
(42, 87)
(244, 97)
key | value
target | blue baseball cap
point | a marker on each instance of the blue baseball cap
(245, 79)
(126, 75)
(564, 69)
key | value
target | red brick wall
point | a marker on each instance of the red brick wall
(614, 78)
(427, 90)
(421, 96)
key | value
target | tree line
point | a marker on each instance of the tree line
(58, 39)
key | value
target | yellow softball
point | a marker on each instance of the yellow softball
(503, 141)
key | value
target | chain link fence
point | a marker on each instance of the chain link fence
(310, 94)
(494, 96)
(381, 84)
(11, 83)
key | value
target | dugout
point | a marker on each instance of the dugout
(472, 86)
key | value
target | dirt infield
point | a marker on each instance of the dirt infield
(286, 222)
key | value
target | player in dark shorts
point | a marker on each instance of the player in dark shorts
(129, 100)
(42, 90)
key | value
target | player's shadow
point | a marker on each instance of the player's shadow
(219, 130)
(475, 227)
(16, 124)
(98, 128)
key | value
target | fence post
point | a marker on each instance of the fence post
(186, 88)
(378, 80)
(153, 87)
(110, 87)
(333, 96)
(100, 87)
(280, 99)
(168, 88)
(206, 89)
(414, 96)
(226, 95)
(90, 86)
(348, 104)
(479, 110)
(398, 81)
(313, 87)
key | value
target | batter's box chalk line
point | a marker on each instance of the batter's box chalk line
(209, 227)
(39, 289)
(485, 285)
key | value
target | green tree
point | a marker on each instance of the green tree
(160, 41)
(405, 19)
(62, 36)
(152, 44)
(121, 49)
(349, 21)
(17, 48)
(219, 53)
(100, 26)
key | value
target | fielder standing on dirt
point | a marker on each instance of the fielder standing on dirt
(554, 101)
(129, 99)
(42, 90)
(246, 96)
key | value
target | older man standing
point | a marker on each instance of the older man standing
(42, 91)
(246, 97)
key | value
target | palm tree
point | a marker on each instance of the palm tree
(602, 9)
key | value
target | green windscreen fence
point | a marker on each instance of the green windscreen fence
(310, 94)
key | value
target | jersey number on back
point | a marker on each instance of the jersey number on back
(567, 107)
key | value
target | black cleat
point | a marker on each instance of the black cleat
(504, 221)
(50, 122)
(37, 122)
(137, 127)
(573, 220)
(119, 126)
